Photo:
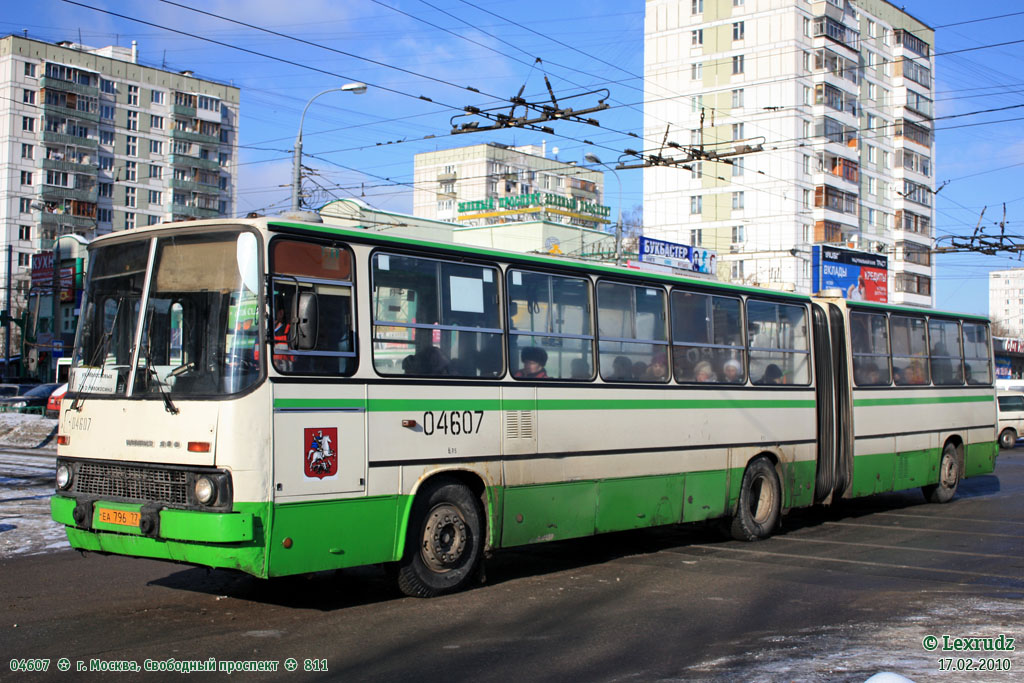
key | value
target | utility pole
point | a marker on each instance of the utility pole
(7, 321)
(56, 300)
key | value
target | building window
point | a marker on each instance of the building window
(108, 87)
(156, 122)
(24, 232)
(23, 260)
(156, 96)
(28, 124)
(807, 199)
(737, 131)
(737, 270)
(696, 6)
(107, 112)
(807, 164)
(696, 204)
(104, 215)
(696, 170)
(30, 70)
(24, 205)
(737, 30)
(737, 98)
(156, 147)
(737, 167)
(26, 177)
(807, 27)
(133, 96)
(129, 220)
(696, 71)
(737, 234)
(153, 220)
(697, 103)
(131, 146)
(105, 190)
(807, 61)
(872, 189)
(106, 163)
(737, 3)
(156, 171)
(872, 154)
(695, 238)
(737, 64)
(27, 151)
(106, 137)
(224, 159)
(872, 29)
(133, 120)
(129, 197)
(697, 37)
(130, 171)
(737, 201)
(28, 96)
(156, 197)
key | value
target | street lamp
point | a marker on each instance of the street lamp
(356, 88)
(592, 158)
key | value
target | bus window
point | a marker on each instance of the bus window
(977, 368)
(633, 333)
(779, 345)
(707, 333)
(869, 339)
(549, 321)
(433, 317)
(909, 350)
(324, 272)
(947, 358)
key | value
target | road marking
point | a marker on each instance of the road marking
(867, 563)
(895, 547)
(914, 528)
(952, 519)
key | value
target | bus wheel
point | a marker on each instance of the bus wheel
(1008, 439)
(949, 477)
(760, 502)
(444, 541)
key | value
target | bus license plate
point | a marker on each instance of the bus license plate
(123, 517)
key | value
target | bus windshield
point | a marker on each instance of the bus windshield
(195, 332)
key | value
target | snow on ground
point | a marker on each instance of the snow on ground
(27, 458)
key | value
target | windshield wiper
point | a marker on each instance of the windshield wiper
(164, 394)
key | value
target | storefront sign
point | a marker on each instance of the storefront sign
(535, 200)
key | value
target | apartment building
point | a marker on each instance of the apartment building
(819, 114)
(93, 142)
(1006, 302)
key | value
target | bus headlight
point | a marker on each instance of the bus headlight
(63, 477)
(206, 490)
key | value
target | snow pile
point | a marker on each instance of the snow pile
(27, 431)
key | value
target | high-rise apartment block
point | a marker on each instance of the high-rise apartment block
(93, 142)
(837, 97)
(1006, 302)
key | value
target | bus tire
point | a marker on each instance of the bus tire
(760, 503)
(444, 541)
(1007, 439)
(949, 477)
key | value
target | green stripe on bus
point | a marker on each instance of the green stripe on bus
(386, 405)
(921, 400)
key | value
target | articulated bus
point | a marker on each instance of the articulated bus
(280, 397)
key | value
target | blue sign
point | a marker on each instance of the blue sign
(861, 276)
(678, 256)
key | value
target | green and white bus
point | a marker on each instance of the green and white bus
(280, 397)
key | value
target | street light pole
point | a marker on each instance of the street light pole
(593, 158)
(356, 88)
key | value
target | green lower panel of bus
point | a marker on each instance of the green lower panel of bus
(233, 540)
(881, 472)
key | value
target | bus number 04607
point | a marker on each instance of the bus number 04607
(453, 422)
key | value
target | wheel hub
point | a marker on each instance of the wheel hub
(948, 472)
(444, 538)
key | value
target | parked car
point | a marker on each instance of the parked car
(1011, 417)
(32, 401)
(8, 390)
(53, 403)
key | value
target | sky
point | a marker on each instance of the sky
(426, 60)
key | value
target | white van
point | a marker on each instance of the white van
(1011, 417)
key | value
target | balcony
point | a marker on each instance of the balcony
(194, 137)
(193, 211)
(68, 86)
(64, 139)
(68, 166)
(446, 177)
(183, 110)
(51, 193)
(64, 219)
(93, 116)
(194, 162)
(193, 186)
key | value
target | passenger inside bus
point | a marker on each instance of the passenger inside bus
(772, 375)
(428, 359)
(702, 372)
(732, 371)
(534, 359)
(657, 371)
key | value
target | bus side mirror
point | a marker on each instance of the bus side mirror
(306, 320)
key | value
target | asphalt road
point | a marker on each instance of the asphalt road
(837, 595)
